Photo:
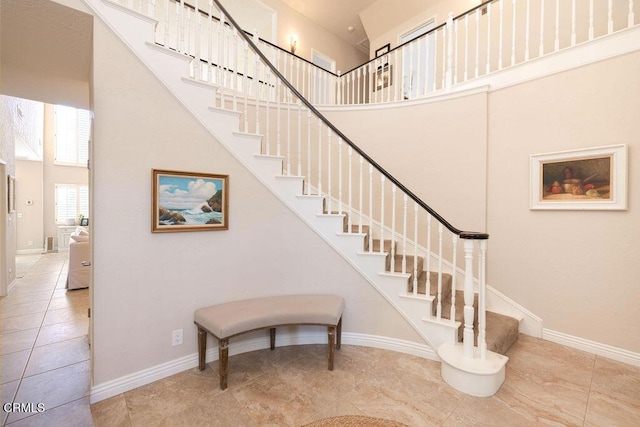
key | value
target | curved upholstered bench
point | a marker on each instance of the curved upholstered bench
(228, 320)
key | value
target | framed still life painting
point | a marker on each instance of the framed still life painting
(586, 179)
(188, 201)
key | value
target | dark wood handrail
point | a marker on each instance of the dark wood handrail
(472, 235)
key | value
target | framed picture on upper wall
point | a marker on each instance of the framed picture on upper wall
(586, 179)
(188, 201)
(384, 49)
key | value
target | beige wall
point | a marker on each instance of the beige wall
(29, 221)
(312, 36)
(441, 163)
(146, 285)
(576, 270)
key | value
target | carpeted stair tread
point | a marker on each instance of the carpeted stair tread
(433, 285)
(502, 332)
(410, 259)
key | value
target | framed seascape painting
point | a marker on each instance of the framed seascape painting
(188, 201)
(588, 179)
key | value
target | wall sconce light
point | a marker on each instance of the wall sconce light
(293, 43)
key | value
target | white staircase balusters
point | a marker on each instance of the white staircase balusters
(573, 23)
(454, 276)
(405, 200)
(440, 259)
(542, 21)
(631, 16)
(477, 41)
(466, 48)
(308, 175)
(350, 191)
(428, 284)
(489, 42)
(382, 225)
(393, 227)
(415, 249)
(360, 191)
(501, 34)
(329, 172)
(340, 195)
(319, 157)
(370, 236)
(557, 39)
(513, 33)
(610, 17)
(527, 31)
(299, 139)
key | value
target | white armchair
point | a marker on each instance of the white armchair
(79, 273)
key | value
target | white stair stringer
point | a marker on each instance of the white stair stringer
(170, 68)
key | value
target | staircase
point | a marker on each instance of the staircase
(415, 270)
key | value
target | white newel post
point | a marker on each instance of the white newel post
(468, 298)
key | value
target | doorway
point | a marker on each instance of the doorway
(418, 63)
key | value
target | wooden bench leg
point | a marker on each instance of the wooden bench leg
(339, 334)
(223, 356)
(272, 337)
(202, 348)
(332, 343)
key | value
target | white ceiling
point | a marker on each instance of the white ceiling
(337, 16)
(46, 50)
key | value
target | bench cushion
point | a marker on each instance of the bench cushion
(233, 318)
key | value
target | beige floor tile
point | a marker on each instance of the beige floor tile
(54, 388)
(111, 412)
(12, 365)
(63, 315)
(73, 414)
(8, 392)
(21, 323)
(148, 405)
(221, 410)
(23, 309)
(18, 341)
(615, 394)
(62, 331)
(25, 297)
(58, 355)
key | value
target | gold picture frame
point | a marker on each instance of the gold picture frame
(189, 201)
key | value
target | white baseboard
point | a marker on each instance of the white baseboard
(530, 324)
(158, 372)
(592, 347)
(30, 251)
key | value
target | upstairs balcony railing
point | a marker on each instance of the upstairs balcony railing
(493, 36)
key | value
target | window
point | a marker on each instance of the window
(71, 136)
(71, 201)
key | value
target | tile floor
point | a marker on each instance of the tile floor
(547, 384)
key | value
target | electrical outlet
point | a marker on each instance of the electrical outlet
(29, 242)
(176, 337)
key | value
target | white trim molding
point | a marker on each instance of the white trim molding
(146, 376)
(599, 349)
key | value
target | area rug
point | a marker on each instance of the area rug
(355, 420)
